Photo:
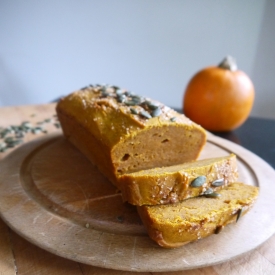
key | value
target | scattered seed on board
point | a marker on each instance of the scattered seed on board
(13, 135)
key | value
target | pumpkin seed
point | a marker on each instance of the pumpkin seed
(208, 191)
(3, 145)
(145, 114)
(128, 93)
(218, 182)
(173, 119)
(36, 130)
(198, 182)
(105, 94)
(130, 103)
(212, 195)
(121, 98)
(151, 105)
(134, 111)
(136, 99)
(115, 88)
(239, 213)
(119, 91)
(156, 112)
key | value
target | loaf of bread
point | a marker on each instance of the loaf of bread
(123, 133)
(175, 183)
(177, 224)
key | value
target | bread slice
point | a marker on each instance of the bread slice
(172, 184)
(122, 133)
(177, 224)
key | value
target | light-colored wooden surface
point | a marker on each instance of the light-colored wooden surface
(19, 255)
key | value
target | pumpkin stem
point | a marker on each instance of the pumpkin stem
(228, 63)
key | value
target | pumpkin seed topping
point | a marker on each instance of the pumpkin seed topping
(198, 182)
(130, 103)
(218, 182)
(151, 105)
(173, 119)
(145, 114)
(156, 112)
(212, 195)
(134, 111)
(119, 91)
(121, 98)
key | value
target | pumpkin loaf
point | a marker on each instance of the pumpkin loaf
(174, 225)
(121, 132)
(175, 183)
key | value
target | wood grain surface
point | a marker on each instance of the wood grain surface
(18, 256)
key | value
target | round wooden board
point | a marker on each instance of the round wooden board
(52, 196)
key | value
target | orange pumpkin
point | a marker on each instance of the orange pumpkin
(219, 98)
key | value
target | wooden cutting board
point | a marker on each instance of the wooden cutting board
(52, 196)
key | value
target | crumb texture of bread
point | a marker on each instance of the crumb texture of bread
(123, 133)
(190, 220)
(172, 184)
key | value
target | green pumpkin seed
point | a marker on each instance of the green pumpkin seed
(156, 112)
(134, 111)
(136, 99)
(212, 195)
(104, 94)
(198, 182)
(3, 145)
(173, 119)
(208, 191)
(121, 98)
(130, 103)
(119, 91)
(218, 182)
(145, 114)
(128, 93)
(151, 105)
(115, 87)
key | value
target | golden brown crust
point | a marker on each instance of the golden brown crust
(192, 219)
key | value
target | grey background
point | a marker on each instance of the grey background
(151, 47)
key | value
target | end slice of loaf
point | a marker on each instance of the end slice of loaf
(175, 183)
(122, 133)
(177, 224)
